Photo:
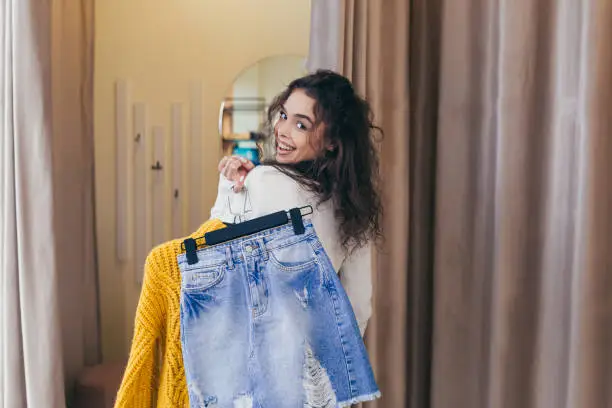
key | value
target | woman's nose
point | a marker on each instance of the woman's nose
(283, 128)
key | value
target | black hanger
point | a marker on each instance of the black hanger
(243, 229)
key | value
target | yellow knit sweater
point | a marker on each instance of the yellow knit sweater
(155, 375)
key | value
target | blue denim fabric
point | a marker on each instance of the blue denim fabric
(265, 323)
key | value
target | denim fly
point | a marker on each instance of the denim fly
(265, 323)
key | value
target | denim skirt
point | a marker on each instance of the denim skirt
(265, 323)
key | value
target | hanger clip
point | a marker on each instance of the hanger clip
(191, 251)
(297, 221)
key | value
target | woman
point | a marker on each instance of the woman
(325, 156)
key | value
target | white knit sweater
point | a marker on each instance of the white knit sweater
(269, 191)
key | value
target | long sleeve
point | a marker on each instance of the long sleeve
(140, 380)
(220, 209)
(356, 278)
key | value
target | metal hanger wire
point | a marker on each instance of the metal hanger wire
(247, 207)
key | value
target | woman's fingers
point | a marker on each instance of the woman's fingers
(235, 168)
(222, 164)
(242, 172)
(247, 164)
(231, 170)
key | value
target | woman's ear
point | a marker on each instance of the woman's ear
(330, 150)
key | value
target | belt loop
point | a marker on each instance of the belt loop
(229, 257)
(264, 249)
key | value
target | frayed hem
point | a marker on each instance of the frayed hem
(357, 400)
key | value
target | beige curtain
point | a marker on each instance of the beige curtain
(73, 171)
(48, 302)
(373, 52)
(523, 311)
(502, 294)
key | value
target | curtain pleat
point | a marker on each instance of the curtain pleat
(493, 287)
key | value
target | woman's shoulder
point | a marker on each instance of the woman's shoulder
(268, 170)
(270, 190)
(270, 176)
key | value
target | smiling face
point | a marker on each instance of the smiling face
(298, 137)
(320, 118)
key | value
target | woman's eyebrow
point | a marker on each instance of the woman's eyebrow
(299, 115)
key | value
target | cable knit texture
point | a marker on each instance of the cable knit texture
(155, 375)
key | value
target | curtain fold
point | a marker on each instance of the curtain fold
(31, 354)
(495, 281)
(521, 312)
(324, 35)
(48, 302)
(72, 35)
(373, 54)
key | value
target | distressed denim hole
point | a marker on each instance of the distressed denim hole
(210, 402)
(243, 401)
(302, 296)
(318, 389)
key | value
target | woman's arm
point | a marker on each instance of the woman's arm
(270, 191)
(224, 193)
(356, 277)
(233, 171)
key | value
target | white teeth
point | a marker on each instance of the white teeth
(284, 147)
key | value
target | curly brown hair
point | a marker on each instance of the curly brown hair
(347, 173)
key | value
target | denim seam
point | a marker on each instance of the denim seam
(215, 282)
(247, 293)
(204, 266)
(333, 294)
(263, 308)
(295, 268)
(286, 244)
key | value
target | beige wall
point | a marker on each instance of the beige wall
(160, 46)
(276, 73)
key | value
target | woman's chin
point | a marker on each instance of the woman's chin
(284, 158)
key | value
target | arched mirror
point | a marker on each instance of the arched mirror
(243, 110)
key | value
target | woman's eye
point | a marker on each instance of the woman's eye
(300, 125)
(283, 115)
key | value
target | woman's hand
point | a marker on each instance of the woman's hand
(235, 168)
